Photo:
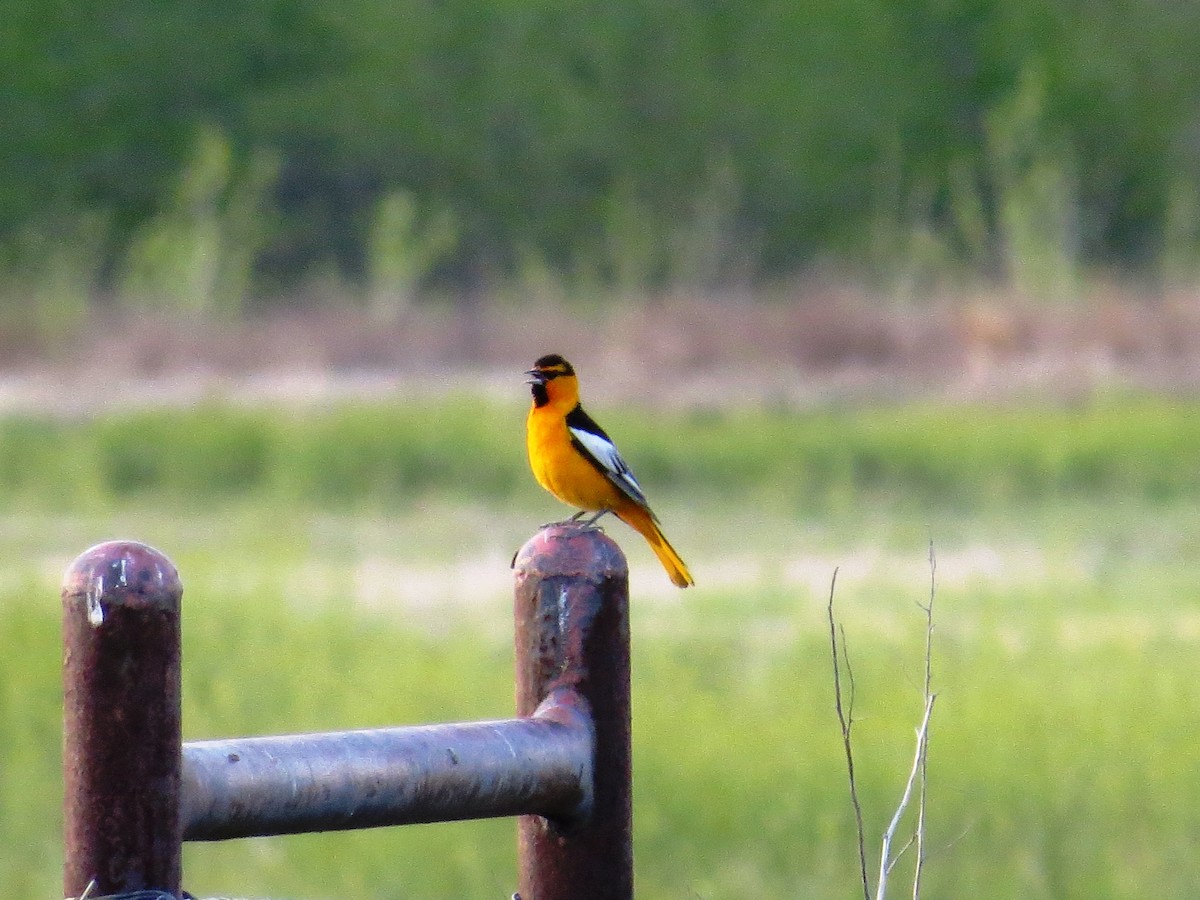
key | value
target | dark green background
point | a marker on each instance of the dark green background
(544, 126)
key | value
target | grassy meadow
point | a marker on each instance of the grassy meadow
(348, 567)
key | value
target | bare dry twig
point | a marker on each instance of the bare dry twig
(918, 774)
(845, 714)
(886, 860)
(923, 750)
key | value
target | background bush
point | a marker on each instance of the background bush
(617, 140)
(388, 455)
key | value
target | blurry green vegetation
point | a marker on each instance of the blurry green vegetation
(628, 143)
(389, 455)
(197, 255)
(1068, 677)
(402, 252)
(48, 274)
(1061, 747)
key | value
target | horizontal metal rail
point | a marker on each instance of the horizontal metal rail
(288, 784)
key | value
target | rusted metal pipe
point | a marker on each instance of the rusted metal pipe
(572, 635)
(121, 720)
(389, 776)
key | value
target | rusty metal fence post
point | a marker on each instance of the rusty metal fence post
(572, 646)
(135, 792)
(121, 721)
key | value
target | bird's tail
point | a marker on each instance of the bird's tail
(642, 521)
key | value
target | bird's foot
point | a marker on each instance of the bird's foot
(589, 525)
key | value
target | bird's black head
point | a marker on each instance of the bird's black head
(552, 365)
(545, 370)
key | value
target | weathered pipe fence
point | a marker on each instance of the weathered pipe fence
(135, 791)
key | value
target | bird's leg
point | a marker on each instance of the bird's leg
(574, 520)
(591, 523)
(571, 521)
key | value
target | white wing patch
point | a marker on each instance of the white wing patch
(617, 470)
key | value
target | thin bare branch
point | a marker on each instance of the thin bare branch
(923, 750)
(918, 776)
(886, 861)
(912, 839)
(845, 714)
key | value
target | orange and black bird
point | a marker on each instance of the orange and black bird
(578, 463)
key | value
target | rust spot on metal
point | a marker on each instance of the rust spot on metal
(121, 720)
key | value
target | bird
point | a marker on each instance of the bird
(575, 460)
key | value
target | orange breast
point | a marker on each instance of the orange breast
(560, 468)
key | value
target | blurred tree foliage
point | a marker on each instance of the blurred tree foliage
(639, 139)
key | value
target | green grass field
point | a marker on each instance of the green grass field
(347, 569)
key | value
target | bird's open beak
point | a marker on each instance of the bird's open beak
(535, 377)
